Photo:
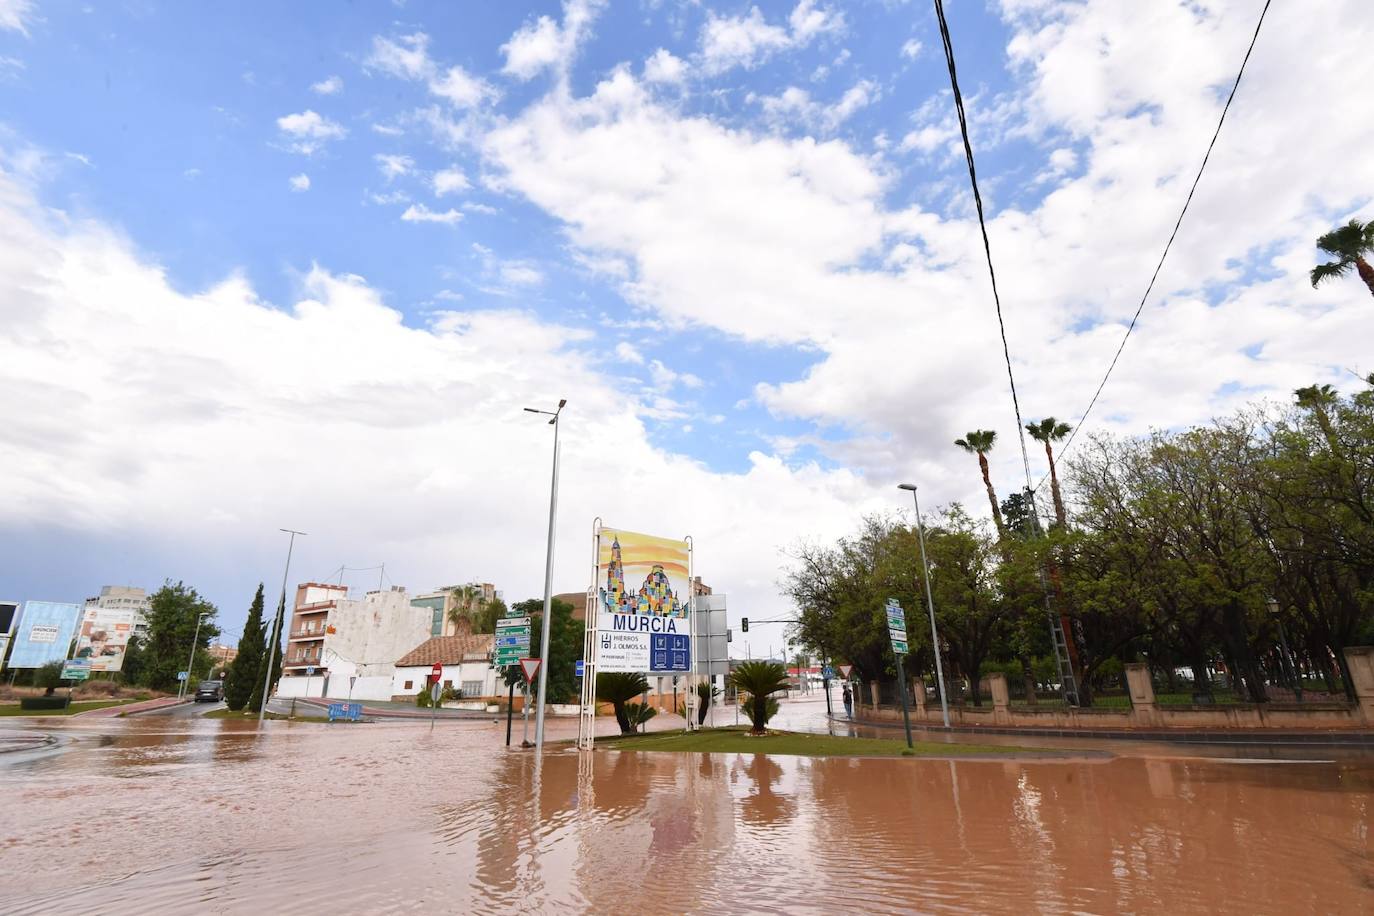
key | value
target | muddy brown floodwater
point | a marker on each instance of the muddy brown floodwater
(171, 815)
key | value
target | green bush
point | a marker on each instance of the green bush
(639, 713)
(53, 702)
(49, 677)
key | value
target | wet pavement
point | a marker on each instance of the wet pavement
(182, 814)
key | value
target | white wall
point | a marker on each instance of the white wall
(467, 671)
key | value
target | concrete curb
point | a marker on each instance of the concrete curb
(1273, 738)
(130, 709)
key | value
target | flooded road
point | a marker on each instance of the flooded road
(185, 815)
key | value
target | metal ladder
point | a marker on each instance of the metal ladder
(1067, 682)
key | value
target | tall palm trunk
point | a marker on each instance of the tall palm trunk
(992, 496)
(1059, 515)
(1366, 273)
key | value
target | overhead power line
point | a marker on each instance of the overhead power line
(1172, 235)
(982, 226)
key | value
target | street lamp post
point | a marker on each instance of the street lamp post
(1288, 659)
(276, 624)
(548, 580)
(930, 602)
(192, 660)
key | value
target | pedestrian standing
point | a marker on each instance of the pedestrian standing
(848, 702)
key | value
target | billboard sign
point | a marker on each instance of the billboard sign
(9, 610)
(642, 604)
(44, 633)
(103, 637)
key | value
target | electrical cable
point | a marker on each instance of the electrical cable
(1167, 245)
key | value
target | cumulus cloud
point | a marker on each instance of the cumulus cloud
(15, 15)
(419, 213)
(393, 165)
(331, 86)
(249, 415)
(663, 67)
(307, 132)
(545, 44)
(748, 40)
(300, 182)
(450, 181)
(407, 57)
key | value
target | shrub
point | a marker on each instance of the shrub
(100, 688)
(43, 702)
(638, 713)
(49, 677)
(422, 698)
(706, 695)
(759, 680)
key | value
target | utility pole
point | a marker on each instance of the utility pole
(190, 662)
(930, 603)
(548, 581)
(276, 624)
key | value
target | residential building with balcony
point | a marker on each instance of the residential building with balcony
(341, 647)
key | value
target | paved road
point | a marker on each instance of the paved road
(184, 710)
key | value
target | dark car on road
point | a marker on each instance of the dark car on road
(210, 692)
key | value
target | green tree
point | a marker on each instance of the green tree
(469, 608)
(132, 669)
(619, 688)
(279, 623)
(1047, 432)
(980, 442)
(1348, 245)
(173, 611)
(492, 611)
(759, 680)
(49, 677)
(245, 672)
(565, 645)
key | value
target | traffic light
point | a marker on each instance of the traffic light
(744, 625)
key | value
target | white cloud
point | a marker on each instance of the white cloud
(748, 40)
(99, 350)
(665, 378)
(544, 44)
(663, 67)
(393, 165)
(450, 181)
(911, 48)
(309, 131)
(419, 213)
(15, 15)
(626, 353)
(388, 130)
(331, 86)
(407, 57)
(795, 104)
(300, 182)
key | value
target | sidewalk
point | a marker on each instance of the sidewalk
(110, 712)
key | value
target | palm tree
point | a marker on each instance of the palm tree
(1348, 245)
(619, 688)
(468, 605)
(1319, 399)
(760, 680)
(980, 442)
(1049, 431)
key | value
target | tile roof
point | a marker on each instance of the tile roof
(448, 650)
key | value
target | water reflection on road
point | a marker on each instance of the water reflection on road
(197, 816)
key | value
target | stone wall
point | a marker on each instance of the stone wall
(1144, 711)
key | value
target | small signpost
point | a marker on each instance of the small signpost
(73, 670)
(844, 671)
(579, 669)
(528, 667)
(512, 640)
(435, 675)
(896, 631)
(182, 675)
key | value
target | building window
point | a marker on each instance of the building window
(410, 685)
(472, 688)
(448, 684)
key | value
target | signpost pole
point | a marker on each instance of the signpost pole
(906, 715)
(510, 708)
(548, 590)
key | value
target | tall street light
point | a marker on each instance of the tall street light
(1273, 606)
(276, 624)
(930, 602)
(190, 662)
(548, 581)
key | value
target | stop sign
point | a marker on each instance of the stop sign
(436, 673)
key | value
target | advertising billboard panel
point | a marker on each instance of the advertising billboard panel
(44, 633)
(642, 608)
(9, 610)
(103, 637)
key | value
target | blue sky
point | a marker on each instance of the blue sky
(308, 260)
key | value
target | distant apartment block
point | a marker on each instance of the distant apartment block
(339, 646)
(124, 598)
(442, 601)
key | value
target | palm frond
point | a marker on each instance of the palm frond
(1331, 269)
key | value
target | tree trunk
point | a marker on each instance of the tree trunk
(621, 718)
(992, 496)
(1366, 273)
(1060, 515)
(1028, 676)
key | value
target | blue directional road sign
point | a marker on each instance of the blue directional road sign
(579, 668)
(511, 642)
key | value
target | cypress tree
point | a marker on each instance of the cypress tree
(246, 668)
(255, 701)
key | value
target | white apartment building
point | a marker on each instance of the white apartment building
(342, 647)
(124, 598)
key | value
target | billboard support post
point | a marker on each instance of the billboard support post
(586, 720)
